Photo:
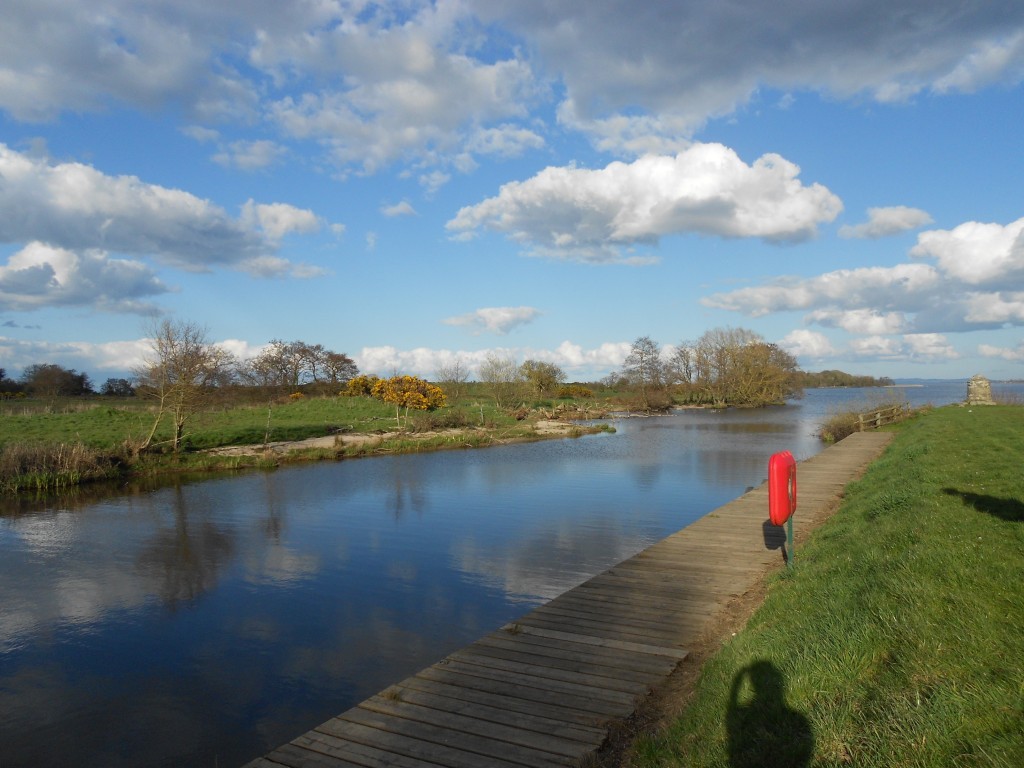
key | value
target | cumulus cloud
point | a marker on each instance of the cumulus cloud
(908, 286)
(861, 321)
(249, 155)
(804, 343)
(593, 214)
(41, 275)
(113, 356)
(703, 60)
(977, 254)
(883, 222)
(924, 347)
(275, 220)
(403, 208)
(72, 208)
(499, 320)
(429, 82)
(1014, 355)
(575, 360)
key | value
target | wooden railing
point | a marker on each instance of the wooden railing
(882, 416)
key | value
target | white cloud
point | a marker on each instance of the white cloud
(403, 208)
(593, 214)
(883, 222)
(76, 207)
(995, 308)
(576, 361)
(424, 81)
(976, 253)
(250, 155)
(702, 60)
(926, 347)
(114, 356)
(1014, 355)
(907, 286)
(931, 346)
(499, 320)
(861, 321)
(275, 220)
(808, 344)
(41, 275)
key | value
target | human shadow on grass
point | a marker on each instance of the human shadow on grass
(1005, 509)
(764, 731)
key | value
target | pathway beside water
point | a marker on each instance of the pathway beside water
(545, 690)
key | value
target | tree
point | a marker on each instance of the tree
(452, 378)
(50, 380)
(292, 364)
(117, 388)
(408, 392)
(735, 366)
(504, 379)
(338, 368)
(644, 369)
(181, 372)
(543, 377)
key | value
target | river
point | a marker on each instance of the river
(205, 622)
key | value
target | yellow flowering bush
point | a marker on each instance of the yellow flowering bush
(408, 392)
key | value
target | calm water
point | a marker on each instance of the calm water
(203, 624)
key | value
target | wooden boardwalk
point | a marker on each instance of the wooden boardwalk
(545, 690)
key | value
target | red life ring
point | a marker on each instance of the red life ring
(781, 487)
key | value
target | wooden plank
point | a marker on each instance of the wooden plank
(345, 750)
(466, 749)
(472, 725)
(543, 668)
(628, 647)
(494, 709)
(552, 679)
(546, 646)
(568, 663)
(588, 711)
(510, 697)
(391, 745)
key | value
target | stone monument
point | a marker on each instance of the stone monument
(979, 391)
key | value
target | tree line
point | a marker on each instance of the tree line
(724, 367)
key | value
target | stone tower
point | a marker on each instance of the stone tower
(979, 391)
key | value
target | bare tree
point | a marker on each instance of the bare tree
(452, 378)
(504, 379)
(181, 372)
(644, 369)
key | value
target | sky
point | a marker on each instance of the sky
(421, 183)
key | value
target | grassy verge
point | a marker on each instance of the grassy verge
(898, 639)
(51, 446)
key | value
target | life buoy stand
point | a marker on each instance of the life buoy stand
(781, 487)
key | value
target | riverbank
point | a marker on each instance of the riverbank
(55, 447)
(896, 638)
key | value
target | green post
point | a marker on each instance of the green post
(789, 542)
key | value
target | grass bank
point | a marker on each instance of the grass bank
(898, 638)
(53, 445)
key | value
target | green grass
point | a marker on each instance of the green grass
(37, 437)
(898, 638)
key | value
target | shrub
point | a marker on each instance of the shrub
(574, 391)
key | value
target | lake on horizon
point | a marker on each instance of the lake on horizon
(204, 623)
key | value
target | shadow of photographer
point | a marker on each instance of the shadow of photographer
(763, 730)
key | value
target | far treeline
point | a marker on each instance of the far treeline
(726, 367)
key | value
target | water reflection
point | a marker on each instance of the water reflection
(185, 557)
(206, 622)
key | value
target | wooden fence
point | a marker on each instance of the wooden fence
(882, 416)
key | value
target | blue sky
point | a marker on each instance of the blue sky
(414, 183)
